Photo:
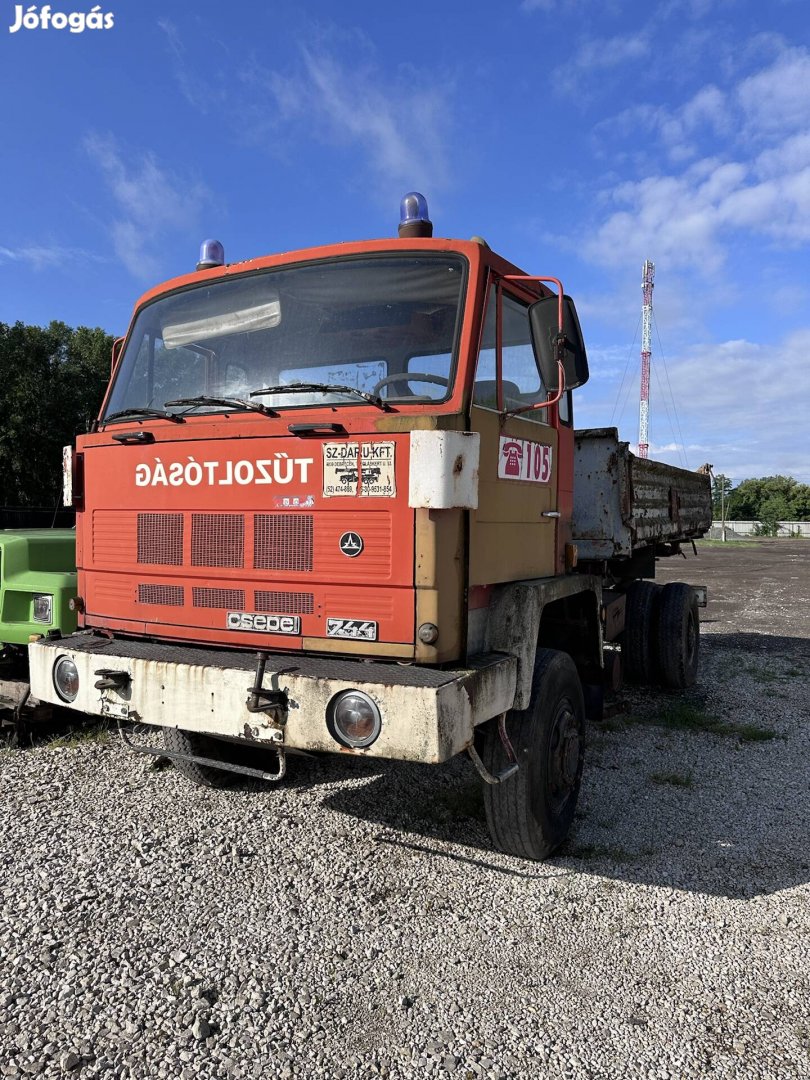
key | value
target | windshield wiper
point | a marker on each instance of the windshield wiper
(327, 388)
(226, 402)
(145, 411)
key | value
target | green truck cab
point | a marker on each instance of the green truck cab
(37, 583)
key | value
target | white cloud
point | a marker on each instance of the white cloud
(598, 55)
(397, 121)
(49, 256)
(401, 122)
(151, 202)
(687, 217)
(202, 92)
(777, 99)
(723, 393)
(790, 156)
(549, 5)
(679, 130)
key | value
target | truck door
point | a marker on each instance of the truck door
(512, 536)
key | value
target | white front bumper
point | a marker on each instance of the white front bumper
(426, 716)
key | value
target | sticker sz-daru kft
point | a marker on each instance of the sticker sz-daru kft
(366, 469)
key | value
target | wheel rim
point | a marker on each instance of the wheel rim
(564, 755)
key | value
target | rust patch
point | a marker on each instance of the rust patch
(458, 465)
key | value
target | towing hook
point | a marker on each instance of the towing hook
(112, 679)
(266, 700)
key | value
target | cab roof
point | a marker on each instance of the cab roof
(478, 255)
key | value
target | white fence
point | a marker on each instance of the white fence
(737, 530)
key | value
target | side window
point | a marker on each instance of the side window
(566, 411)
(522, 384)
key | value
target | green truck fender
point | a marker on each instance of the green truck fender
(37, 583)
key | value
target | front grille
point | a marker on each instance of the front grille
(233, 599)
(284, 603)
(160, 539)
(217, 540)
(283, 542)
(167, 595)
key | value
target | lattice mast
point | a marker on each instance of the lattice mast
(647, 278)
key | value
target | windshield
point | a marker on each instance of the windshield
(385, 325)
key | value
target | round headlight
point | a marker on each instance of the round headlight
(66, 678)
(353, 718)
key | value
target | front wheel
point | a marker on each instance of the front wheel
(530, 814)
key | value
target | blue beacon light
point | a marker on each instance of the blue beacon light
(212, 254)
(414, 219)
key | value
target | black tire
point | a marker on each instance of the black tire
(639, 638)
(678, 636)
(192, 742)
(530, 814)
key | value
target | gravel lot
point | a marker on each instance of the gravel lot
(355, 922)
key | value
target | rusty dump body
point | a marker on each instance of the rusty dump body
(623, 503)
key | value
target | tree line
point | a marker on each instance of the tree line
(767, 499)
(52, 380)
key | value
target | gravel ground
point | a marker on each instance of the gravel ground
(355, 922)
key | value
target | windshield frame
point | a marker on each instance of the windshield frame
(444, 404)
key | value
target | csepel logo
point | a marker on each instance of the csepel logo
(45, 18)
(265, 624)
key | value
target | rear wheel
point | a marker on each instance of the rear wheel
(677, 636)
(197, 745)
(639, 649)
(530, 814)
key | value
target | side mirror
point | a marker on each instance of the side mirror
(543, 318)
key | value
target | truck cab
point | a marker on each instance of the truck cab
(348, 470)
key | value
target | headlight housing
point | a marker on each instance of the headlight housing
(43, 607)
(66, 678)
(353, 719)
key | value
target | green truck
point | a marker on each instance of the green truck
(37, 586)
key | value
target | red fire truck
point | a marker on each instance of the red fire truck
(335, 501)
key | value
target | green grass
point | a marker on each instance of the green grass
(767, 676)
(688, 716)
(754, 733)
(761, 675)
(727, 543)
(685, 716)
(683, 780)
(79, 736)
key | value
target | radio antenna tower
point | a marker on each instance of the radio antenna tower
(647, 278)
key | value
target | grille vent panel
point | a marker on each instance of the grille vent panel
(233, 599)
(283, 542)
(160, 539)
(284, 603)
(217, 540)
(167, 595)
